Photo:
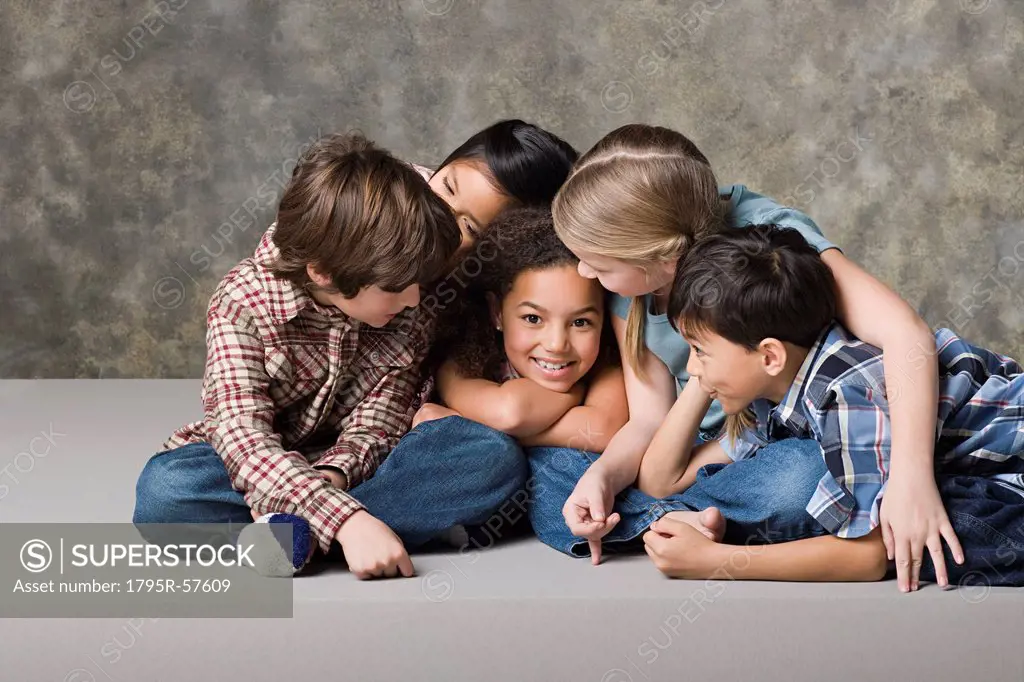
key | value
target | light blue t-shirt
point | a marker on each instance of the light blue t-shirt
(747, 208)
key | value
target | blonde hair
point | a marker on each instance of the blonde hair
(643, 195)
(736, 424)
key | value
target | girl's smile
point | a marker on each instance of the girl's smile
(551, 323)
(555, 370)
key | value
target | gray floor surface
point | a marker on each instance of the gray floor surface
(515, 612)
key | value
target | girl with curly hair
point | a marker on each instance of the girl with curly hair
(533, 358)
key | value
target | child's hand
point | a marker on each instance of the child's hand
(681, 551)
(335, 478)
(371, 549)
(912, 517)
(586, 510)
(431, 411)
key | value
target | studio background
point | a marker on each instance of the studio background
(137, 139)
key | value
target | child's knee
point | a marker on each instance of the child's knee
(507, 464)
(803, 451)
(794, 471)
(794, 488)
(492, 459)
(153, 491)
(786, 490)
(464, 438)
(559, 466)
(167, 483)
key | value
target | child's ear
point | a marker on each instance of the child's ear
(773, 356)
(318, 278)
(495, 305)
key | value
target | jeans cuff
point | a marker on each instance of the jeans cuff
(630, 529)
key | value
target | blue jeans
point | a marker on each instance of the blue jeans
(989, 522)
(763, 499)
(443, 473)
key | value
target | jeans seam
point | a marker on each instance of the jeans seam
(975, 522)
(664, 508)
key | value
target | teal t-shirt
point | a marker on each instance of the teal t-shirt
(747, 208)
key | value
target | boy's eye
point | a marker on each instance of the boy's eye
(471, 229)
(531, 319)
(698, 350)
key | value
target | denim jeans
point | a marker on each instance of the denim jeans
(443, 473)
(763, 499)
(989, 522)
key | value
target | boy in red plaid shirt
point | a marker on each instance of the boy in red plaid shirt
(314, 354)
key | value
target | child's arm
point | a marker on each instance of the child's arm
(239, 421)
(591, 425)
(667, 458)
(650, 400)
(588, 510)
(520, 407)
(431, 411)
(681, 551)
(912, 514)
(374, 426)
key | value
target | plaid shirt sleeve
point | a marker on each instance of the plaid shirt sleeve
(373, 428)
(853, 429)
(981, 410)
(239, 421)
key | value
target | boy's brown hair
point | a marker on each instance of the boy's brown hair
(361, 217)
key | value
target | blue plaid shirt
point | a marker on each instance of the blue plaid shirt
(839, 398)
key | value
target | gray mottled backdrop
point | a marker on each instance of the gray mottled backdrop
(137, 138)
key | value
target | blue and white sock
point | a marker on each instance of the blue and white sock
(275, 552)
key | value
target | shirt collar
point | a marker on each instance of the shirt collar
(508, 372)
(788, 411)
(284, 299)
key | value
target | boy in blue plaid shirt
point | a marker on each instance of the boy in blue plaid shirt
(758, 308)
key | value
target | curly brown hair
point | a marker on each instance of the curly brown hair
(526, 240)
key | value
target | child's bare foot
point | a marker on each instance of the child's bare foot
(710, 522)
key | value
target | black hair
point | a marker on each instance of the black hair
(749, 284)
(524, 162)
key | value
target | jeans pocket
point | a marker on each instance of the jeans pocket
(983, 533)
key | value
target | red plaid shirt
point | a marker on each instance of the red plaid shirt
(292, 385)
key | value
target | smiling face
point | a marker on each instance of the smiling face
(729, 372)
(472, 198)
(551, 321)
(622, 278)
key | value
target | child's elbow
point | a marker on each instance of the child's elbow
(651, 487)
(602, 428)
(874, 561)
(609, 423)
(510, 415)
(655, 491)
(872, 570)
(878, 566)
